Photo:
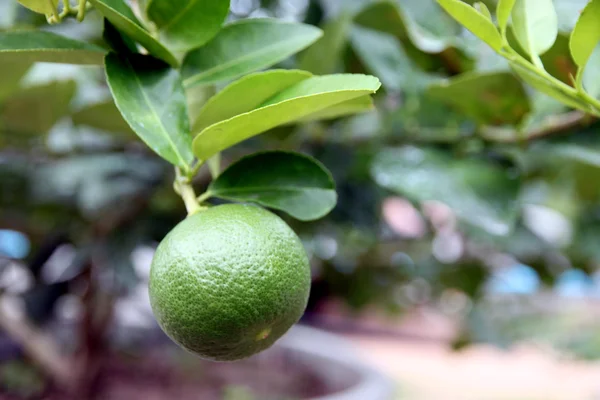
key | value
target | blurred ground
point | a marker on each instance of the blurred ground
(430, 370)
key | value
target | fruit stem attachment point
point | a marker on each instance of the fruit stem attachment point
(183, 188)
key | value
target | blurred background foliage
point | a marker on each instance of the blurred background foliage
(462, 184)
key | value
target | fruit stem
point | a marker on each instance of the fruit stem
(183, 188)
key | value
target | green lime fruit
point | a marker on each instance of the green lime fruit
(227, 282)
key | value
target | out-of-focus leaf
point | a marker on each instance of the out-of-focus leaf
(246, 94)
(246, 46)
(568, 12)
(291, 182)
(492, 99)
(480, 193)
(186, 25)
(150, 96)
(40, 46)
(324, 56)
(294, 103)
(104, 116)
(474, 21)
(383, 56)
(34, 110)
(535, 25)
(12, 72)
(121, 16)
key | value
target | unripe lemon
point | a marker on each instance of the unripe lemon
(227, 282)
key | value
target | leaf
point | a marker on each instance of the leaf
(40, 6)
(480, 193)
(246, 46)
(474, 21)
(326, 54)
(117, 41)
(296, 102)
(585, 36)
(491, 99)
(384, 57)
(246, 94)
(36, 109)
(290, 182)
(104, 116)
(483, 10)
(535, 25)
(121, 16)
(187, 24)
(40, 46)
(12, 73)
(503, 11)
(354, 106)
(388, 17)
(150, 96)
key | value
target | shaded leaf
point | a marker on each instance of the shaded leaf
(104, 116)
(246, 94)
(492, 99)
(535, 25)
(34, 110)
(474, 21)
(384, 57)
(296, 102)
(558, 62)
(121, 16)
(354, 106)
(480, 193)
(116, 40)
(150, 96)
(186, 25)
(324, 56)
(291, 182)
(246, 46)
(503, 12)
(12, 72)
(40, 46)
(40, 6)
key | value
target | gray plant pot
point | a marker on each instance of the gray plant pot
(335, 361)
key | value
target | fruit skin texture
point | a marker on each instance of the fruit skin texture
(227, 282)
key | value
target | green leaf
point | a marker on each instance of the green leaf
(480, 193)
(384, 57)
(585, 36)
(40, 46)
(104, 116)
(40, 6)
(557, 90)
(246, 94)
(187, 24)
(12, 73)
(150, 96)
(326, 54)
(535, 25)
(121, 16)
(474, 21)
(483, 10)
(294, 103)
(503, 11)
(388, 17)
(490, 99)
(290, 182)
(354, 106)
(246, 46)
(116, 40)
(36, 109)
